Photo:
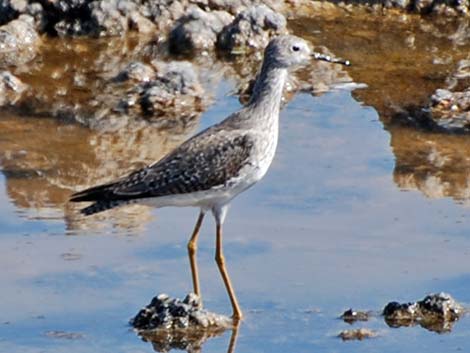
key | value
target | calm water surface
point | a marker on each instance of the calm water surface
(332, 226)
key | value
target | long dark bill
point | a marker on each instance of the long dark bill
(323, 57)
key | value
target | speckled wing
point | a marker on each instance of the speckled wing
(201, 163)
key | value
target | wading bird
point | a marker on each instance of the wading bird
(214, 166)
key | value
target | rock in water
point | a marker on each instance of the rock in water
(11, 88)
(351, 316)
(171, 323)
(19, 41)
(197, 30)
(252, 29)
(165, 313)
(436, 312)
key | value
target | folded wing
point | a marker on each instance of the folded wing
(199, 164)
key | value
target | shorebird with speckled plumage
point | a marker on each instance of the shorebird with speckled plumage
(214, 166)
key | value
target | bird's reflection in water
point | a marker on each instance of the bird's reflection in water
(43, 160)
(189, 340)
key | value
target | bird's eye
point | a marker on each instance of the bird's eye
(295, 48)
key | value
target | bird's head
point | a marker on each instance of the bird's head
(288, 50)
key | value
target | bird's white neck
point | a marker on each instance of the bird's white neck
(267, 92)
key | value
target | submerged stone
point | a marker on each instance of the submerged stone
(64, 335)
(357, 334)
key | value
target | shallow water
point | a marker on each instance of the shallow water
(338, 222)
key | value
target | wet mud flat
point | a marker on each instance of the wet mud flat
(302, 248)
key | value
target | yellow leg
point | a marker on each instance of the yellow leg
(192, 250)
(219, 258)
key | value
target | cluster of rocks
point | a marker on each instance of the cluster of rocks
(190, 25)
(171, 89)
(436, 312)
(171, 323)
(108, 90)
(252, 28)
(449, 107)
(198, 24)
(436, 7)
(451, 110)
(149, 92)
(116, 17)
(165, 313)
(198, 30)
(202, 30)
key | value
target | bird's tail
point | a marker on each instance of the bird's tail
(101, 196)
(101, 206)
(92, 194)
